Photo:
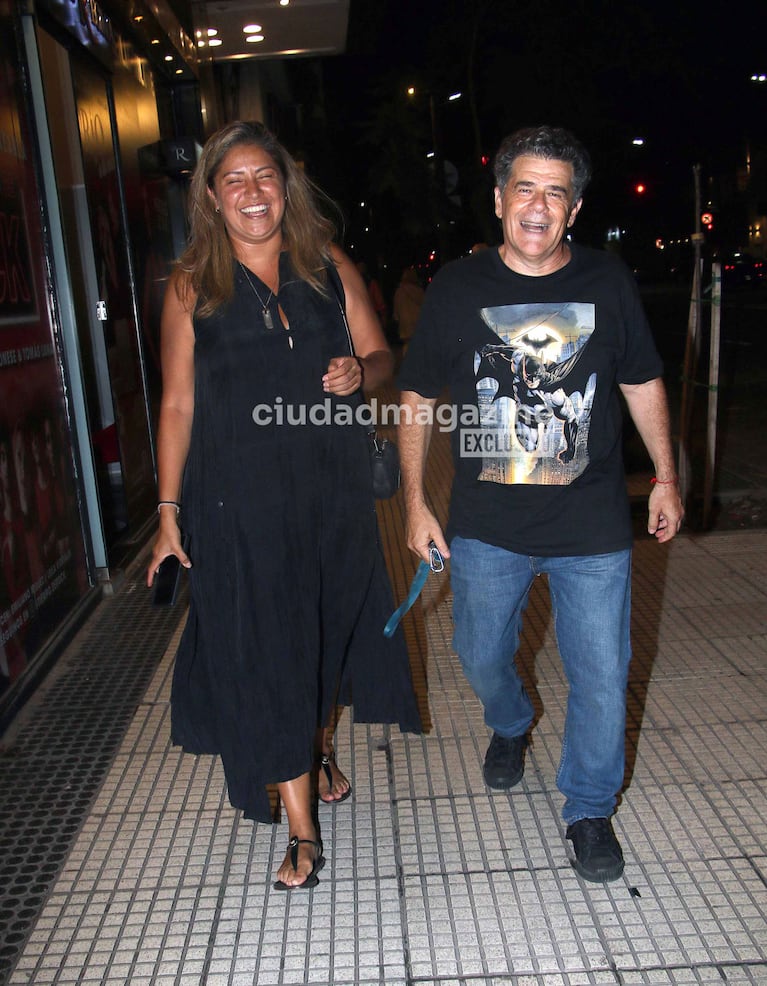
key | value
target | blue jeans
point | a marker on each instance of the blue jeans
(591, 602)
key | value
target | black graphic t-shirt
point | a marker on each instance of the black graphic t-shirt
(531, 366)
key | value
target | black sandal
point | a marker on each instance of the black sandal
(325, 765)
(319, 861)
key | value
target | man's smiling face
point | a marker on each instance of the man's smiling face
(536, 208)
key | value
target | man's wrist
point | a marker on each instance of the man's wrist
(659, 481)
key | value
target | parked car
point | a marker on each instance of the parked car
(742, 270)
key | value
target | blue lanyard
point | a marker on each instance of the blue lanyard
(435, 564)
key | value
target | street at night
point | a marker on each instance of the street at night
(475, 698)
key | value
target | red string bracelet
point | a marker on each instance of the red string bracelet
(663, 482)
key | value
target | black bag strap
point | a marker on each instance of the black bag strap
(338, 290)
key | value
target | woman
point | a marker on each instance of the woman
(289, 593)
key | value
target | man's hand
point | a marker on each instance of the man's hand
(422, 529)
(665, 511)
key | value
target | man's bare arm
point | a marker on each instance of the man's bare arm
(415, 425)
(648, 407)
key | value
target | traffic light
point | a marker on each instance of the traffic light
(707, 220)
(640, 188)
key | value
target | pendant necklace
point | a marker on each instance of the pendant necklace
(266, 314)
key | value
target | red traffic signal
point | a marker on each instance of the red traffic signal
(707, 220)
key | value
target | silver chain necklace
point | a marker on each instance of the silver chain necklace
(267, 315)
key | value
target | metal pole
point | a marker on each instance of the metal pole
(692, 347)
(713, 390)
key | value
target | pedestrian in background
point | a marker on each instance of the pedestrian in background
(408, 299)
(375, 292)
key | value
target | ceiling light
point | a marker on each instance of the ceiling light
(169, 58)
(201, 43)
(252, 29)
(284, 3)
(255, 37)
(212, 32)
(215, 42)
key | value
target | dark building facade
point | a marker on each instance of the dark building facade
(102, 112)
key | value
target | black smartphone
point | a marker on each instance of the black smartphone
(168, 579)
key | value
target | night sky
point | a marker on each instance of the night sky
(669, 72)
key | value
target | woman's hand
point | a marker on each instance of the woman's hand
(168, 542)
(344, 376)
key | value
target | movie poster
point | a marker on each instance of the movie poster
(42, 559)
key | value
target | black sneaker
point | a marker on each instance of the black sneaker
(598, 854)
(504, 761)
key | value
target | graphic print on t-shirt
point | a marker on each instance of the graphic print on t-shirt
(534, 425)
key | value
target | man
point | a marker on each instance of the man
(534, 340)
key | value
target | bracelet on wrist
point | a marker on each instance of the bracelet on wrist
(663, 482)
(169, 503)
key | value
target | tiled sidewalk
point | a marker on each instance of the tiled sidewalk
(431, 878)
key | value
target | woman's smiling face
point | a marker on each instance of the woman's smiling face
(249, 191)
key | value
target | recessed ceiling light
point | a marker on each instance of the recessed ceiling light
(284, 3)
(169, 58)
(252, 29)
(201, 43)
(255, 37)
(212, 32)
(215, 42)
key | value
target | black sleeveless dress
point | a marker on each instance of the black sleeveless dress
(289, 590)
